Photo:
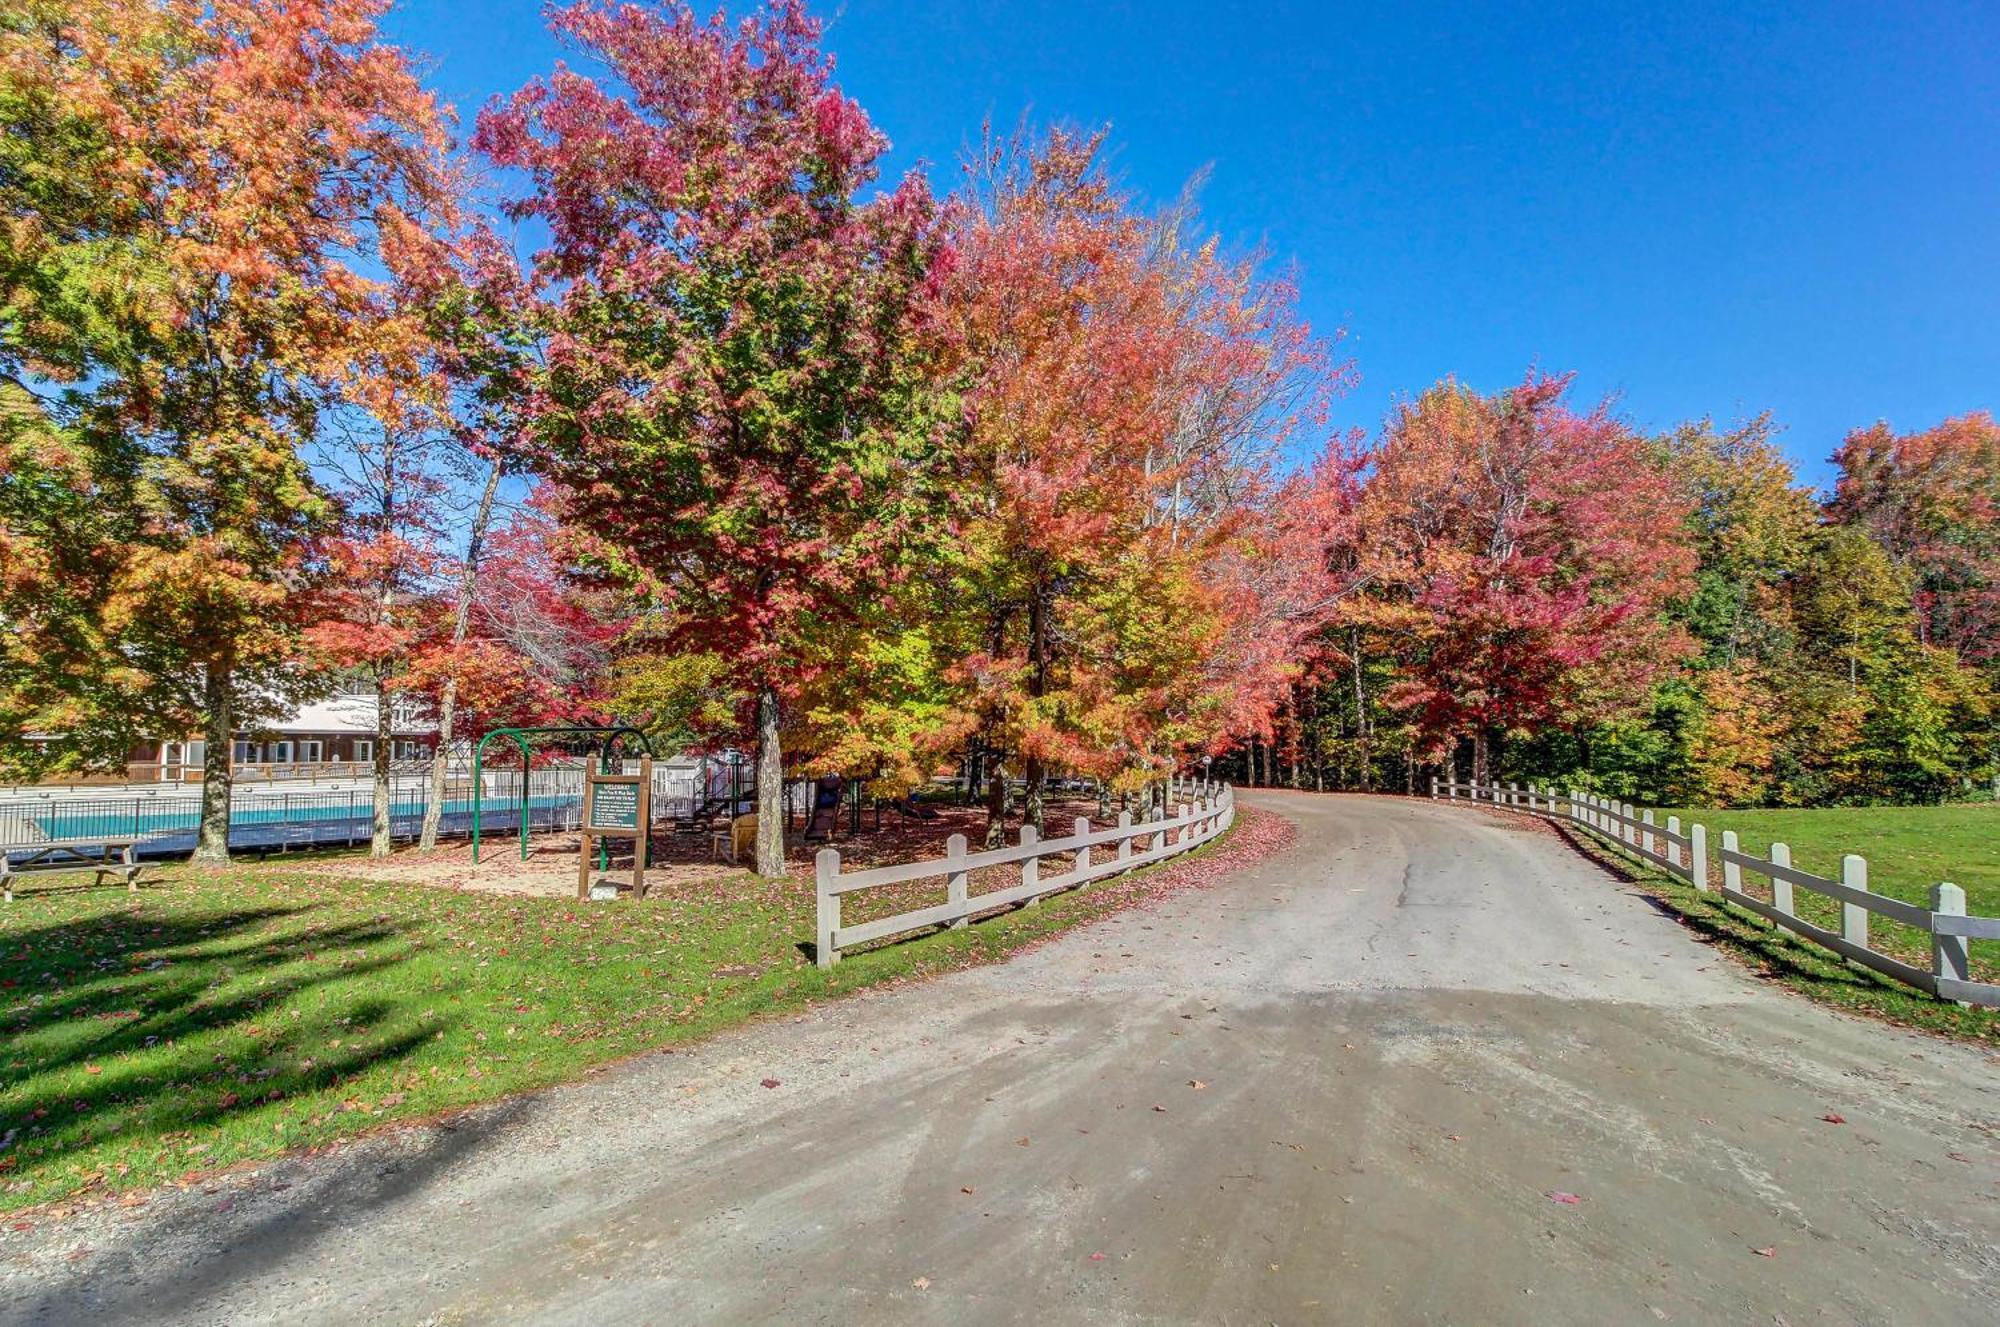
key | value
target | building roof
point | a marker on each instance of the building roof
(348, 714)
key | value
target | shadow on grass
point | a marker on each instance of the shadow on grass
(130, 1029)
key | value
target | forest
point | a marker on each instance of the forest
(641, 395)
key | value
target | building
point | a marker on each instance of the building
(329, 739)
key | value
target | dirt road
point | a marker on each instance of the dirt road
(1358, 1082)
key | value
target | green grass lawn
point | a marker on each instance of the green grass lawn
(218, 1017)
(1908, 850)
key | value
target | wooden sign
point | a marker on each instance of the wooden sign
(617, 806)
(614, 803)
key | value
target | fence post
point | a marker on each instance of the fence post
(1434, 787)
(1082, 867)
(1854, 917)
(1698, 856)
(1031, 867)
(1781, 890)
(1513, 793)
(1646, 831)
(955, 879)
(1125, 843)
(1951, 958)
(1631, 831)
(1181, 835)
(826, 872)
(1673, 848)
(1732, 874)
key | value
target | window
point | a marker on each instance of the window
(364, 751)
(279, 753)
(246, 753)
(309, 753)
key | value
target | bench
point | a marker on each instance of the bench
(103, 857)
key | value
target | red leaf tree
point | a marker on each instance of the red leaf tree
(1523, 551)
(732, 390)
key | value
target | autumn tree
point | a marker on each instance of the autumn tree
(196, 195)
(1525, 551)
(1127, 389)
(733, 390)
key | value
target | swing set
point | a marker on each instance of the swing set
(607, 739)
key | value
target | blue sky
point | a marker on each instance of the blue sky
(1704, 209)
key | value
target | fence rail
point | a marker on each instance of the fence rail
(1211, 810)
(164, 823)
(1684, 853)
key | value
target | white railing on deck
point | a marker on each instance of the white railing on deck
(1685, 853)
(1210, 810)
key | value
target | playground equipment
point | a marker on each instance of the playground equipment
(607, 738)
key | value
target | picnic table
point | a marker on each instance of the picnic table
(105, 857)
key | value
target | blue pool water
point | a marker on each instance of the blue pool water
(264, 820)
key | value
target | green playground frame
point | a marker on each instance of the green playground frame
(608, 737)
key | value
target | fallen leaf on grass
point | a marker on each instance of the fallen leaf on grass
(1558, 1196)
(92, 1069)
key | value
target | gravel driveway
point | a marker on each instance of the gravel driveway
(1426, 1065)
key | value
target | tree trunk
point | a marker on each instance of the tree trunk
(378, 838)
(1364, 740)
(1034, 774)
(770, 788)
(1480, 754)
(996, 802)
(461, 624)
(385, 732)
(212, 839)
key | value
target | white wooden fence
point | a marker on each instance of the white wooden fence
(1685, 852)
(1209, 810)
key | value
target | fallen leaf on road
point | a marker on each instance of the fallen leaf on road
(1834, 1117)
(1454, 1138)
(921, 1283)
(1097, 1257)
(1161, 1109)
(965, 1188)
(1020, 1142)
(1558, 1196)
(1768, 1251)
(1196, 1084)
(770, 1082)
